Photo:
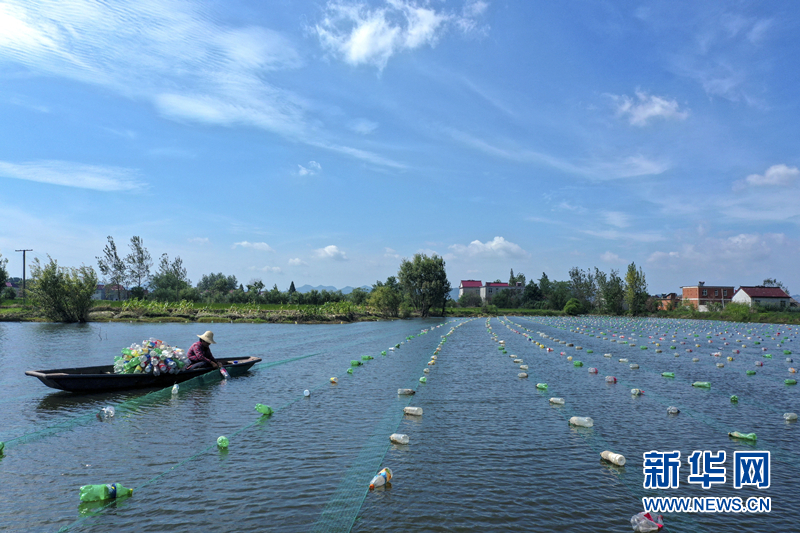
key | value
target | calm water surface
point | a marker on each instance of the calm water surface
(489, 454)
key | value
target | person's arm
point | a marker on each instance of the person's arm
(208, 356)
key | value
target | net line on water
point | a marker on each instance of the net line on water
(97, 512)
(594, 441)
(341, 511)
(784, 456)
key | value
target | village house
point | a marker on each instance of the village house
(700, 295)
(763, 297)
(668, 301)
(489, 290)
(468, 286)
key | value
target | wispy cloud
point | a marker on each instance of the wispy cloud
(199, 240)
(260, 246)
(615, 235)
(610, 257)
(297, 262)
(361, 35)
(271, 269)
(645, 107)
(331, 252)
(775, 176)
(68, 174)
(625, 167)
(616, 218)
(310, 170)
(390, 252)
(498, 247)
(363, 126)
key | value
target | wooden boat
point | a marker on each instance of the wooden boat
(103, 378)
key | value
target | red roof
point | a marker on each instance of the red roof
(470, 283)
(764, 292)
(497, 284)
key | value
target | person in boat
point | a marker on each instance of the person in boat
(199, 353)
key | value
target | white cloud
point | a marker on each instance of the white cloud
(260, 246)
(363, 126)
(199, 240)
(616, 218)
(660, 257)
(646, 107)
(496, 247)
(331, 252)
(297, 262)
(312, 169)
(610, 257)
(389, 252)
(615, 235)
(272, 269)
(360, 35)
(68, 174)
(777, 175)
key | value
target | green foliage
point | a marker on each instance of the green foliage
(112, 267)
(138, 262)
(772, 282)
(559, 294)
(292, 290)
(137, 292)
(4, 279)
(635, 290)
(360, 296)
(170, 280)
(573, 307)
(217, 284)
(62, 294)
(611, 291)
(470, 299)
(513, 280)
(582, 286)
(424, 280)
(503, 299)
(386, 301)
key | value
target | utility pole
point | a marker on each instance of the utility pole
(23, 274)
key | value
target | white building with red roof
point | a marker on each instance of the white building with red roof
(468, 286)
(762, 296)
(489, 290)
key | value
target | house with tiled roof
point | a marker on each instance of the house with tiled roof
(487, 291)
(468, 286)
(762, 296)
(700, 295)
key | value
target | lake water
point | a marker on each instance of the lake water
(490, 453)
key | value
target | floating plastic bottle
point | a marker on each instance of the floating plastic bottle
(611, 379)
(668, 374)
(577, 363)
(637, 392)
(720, 365)
(224, 372)
(612, 457)
(2, 445)
(523, 367)
(518, 361)
(423, 379)
(382, 478)
(702, 384)
(522, 375)
(750, 372)
(175, 389)
(734, 399)
(593, 370)
(645, 523)
(398, 438)
(790, 381)
(695, 359)
(743, 436)
(107, 412)
(673, 410)
(223, 442)
(349, 370)
(623, 360)
(634, 366)
(557, 401)
(334, 380)
(415, 411)
(790, 417)
(306, 393)
(110, 491)
(264, 409)
(355, 362)
(541, 386)
(583, 421)
(405, 392)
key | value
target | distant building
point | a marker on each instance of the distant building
(668, 301)
(763, 296)
(468, 286)
(700, 295)
(488, 291)
(116, 293)
(99, 293)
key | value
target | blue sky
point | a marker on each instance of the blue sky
(321, 142)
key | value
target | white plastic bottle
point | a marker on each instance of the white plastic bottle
(583, 421)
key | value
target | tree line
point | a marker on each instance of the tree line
(586, 291)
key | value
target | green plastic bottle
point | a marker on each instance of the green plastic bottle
(702, 384)
(355, 362)
(423, 379)
(95, 493)
(264, 409)
(743, 436)
(790, 381)
(2, 445)
(734, 398)
(750, 372)
(668, 374)
(541, 386)
(222, 442)
(577, 363)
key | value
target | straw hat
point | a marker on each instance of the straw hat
(208, 336)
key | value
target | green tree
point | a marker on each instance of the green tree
(545, 286)
(611, 291)
(170, 279)
(635, 290)
(3, 277)
(582, 285)
(531, 294)
(292, 290)
(112, 267)
(62, 294)
(513, 280)
(573, 307)
(559, 295)
(470, 299)
(386, 300)
(217, 283)
(424, 281)
(502, 299)
(360, 296)
(138, 262)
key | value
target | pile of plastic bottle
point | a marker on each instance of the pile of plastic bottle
(152, 356)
